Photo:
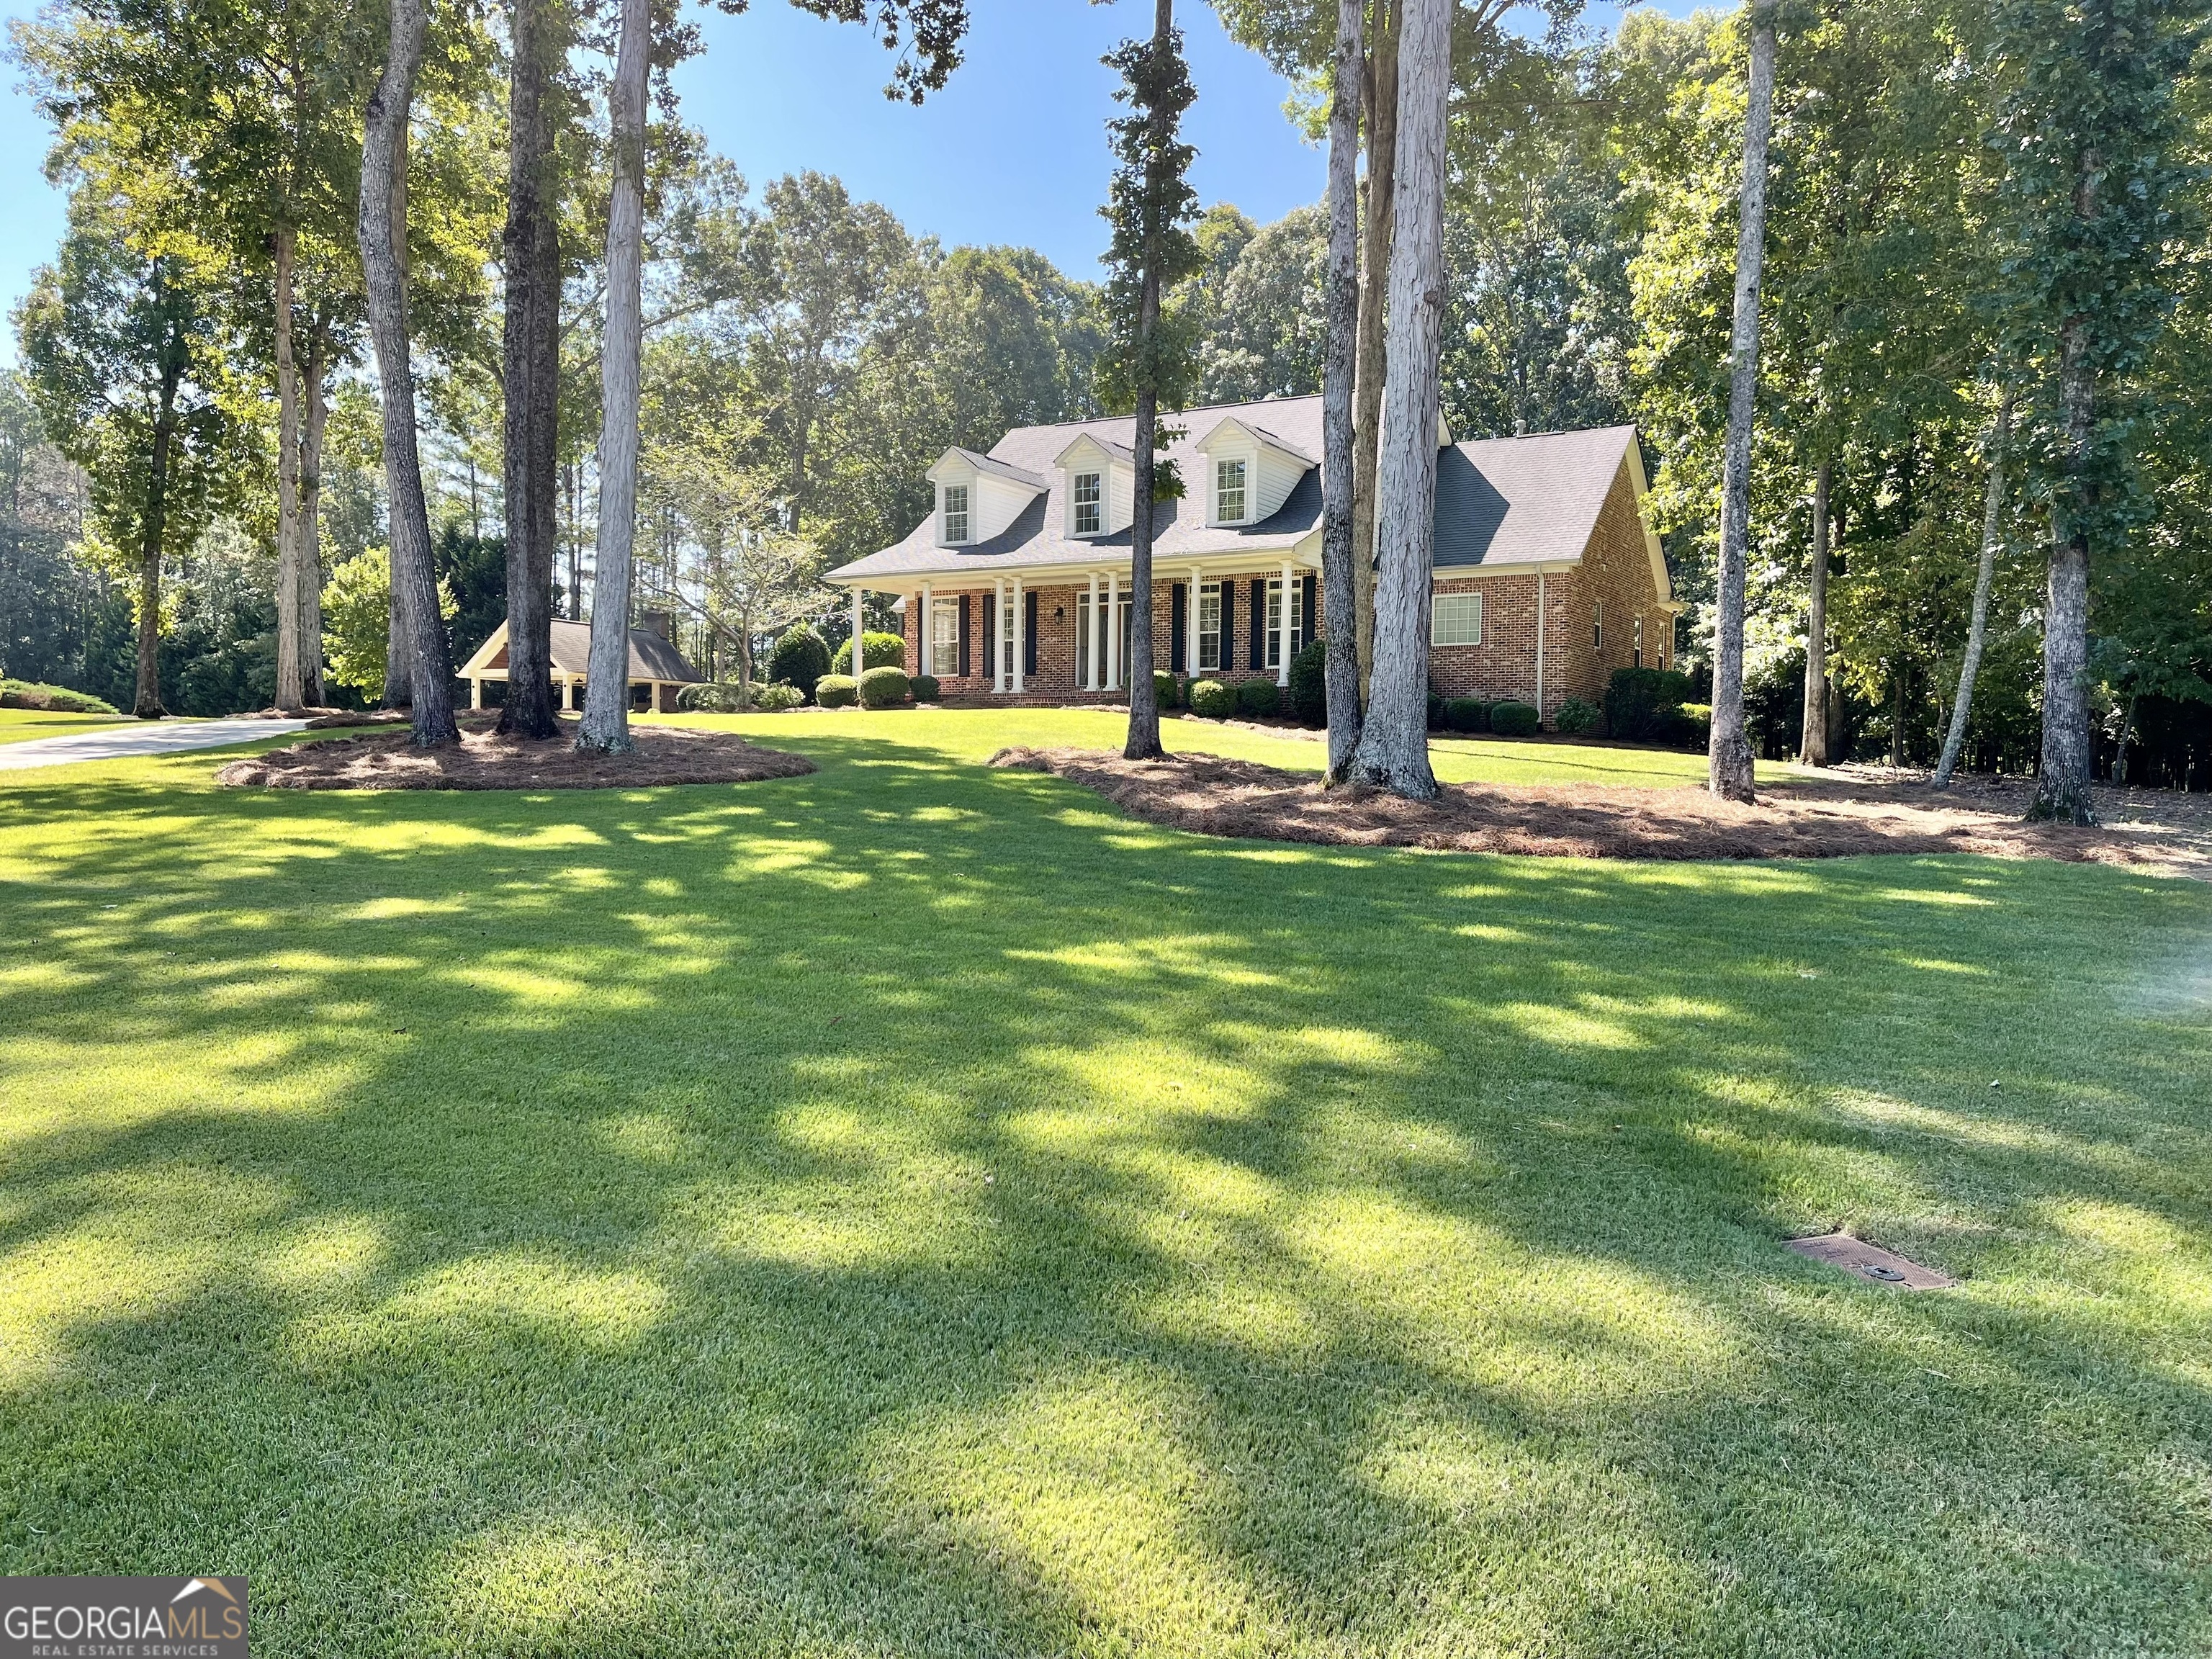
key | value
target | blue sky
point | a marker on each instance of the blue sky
(1013, 150)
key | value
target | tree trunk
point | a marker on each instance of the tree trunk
(290, 694)
(1985, 577)
(382, 231)
(1382, 112)
(531, 368)
(1394, 745)
(1143, 738)
(1813, 745)
(147, 702)
(1900, 673)
(576, 595)
(606, 691)
(2064, 770)
(314, 423)
(1338, 467)
(1729, 773)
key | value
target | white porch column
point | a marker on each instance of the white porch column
(476, 693)
(1019, 620)
(1093, 644)
(1113, 630)
(568, 693)
(1283, 640)
(925, 635)
(998, 634)
(1190, 625)
(859, 661)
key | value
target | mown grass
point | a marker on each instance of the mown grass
(22, 725)
(912, 1209)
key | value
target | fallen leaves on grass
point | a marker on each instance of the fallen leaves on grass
(1218, 797)
(485, 760)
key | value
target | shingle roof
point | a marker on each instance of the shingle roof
(651, 657)
(1500, 501)
(991, 463)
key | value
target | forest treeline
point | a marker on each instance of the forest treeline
(805, 355)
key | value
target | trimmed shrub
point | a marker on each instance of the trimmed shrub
(1309, 685)
(884, 687)
(1638, 701)
(778, 698)
(1576, 716)
(1212, 699)
(1164, 690)
(1467, 715)
(876, 650)
(1436, 713)
(924, 687)
(57, 699)
(799, 659)
(1686, 725)
(1259, 698)
(836, 691)
(712, 697)
(1514, 720)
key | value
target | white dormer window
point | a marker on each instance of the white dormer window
(1090, 503)
(1229, 493)
(955, 513)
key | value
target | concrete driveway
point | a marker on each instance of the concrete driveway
(128, 742)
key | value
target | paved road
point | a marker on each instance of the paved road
(127, 742)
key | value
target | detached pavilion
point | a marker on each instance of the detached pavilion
(655, 664)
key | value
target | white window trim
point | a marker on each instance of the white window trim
(1597, 625)
(1204, 666)
(1273, 628)
(1244, 470)
(944, 644)
(1435, 617)
(1076, 504)
(967, 512)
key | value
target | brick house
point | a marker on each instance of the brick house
(1547, 577)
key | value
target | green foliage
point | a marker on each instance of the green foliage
(1259, 698)
(1168, 689)
(777, 699)
(715, 697)
(1575, 717)
(883, 688)
(836, 691)
(925, 688)
(1514, 720)
(357, 618)
(800, 658)
(1212, 699)
(1636, 699)
(25, 694)
(1308, 687)
(1436, 713)
(1467, 715)
(876, 650)
(1151, 207)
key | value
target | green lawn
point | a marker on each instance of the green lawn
(913, 1210)
(22, 724)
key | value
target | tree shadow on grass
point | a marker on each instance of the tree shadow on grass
(561, 1224)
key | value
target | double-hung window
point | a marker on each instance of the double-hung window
(1090, 503)
(944, 636)
(1639, 641)
(1597, 627)
(1275, 621)
(1209, 627)
(957, 519)
(1229, 493)
(1457, 619)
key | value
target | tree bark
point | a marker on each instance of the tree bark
(1382, 115)
(383, 233)
(1143, 739)
(606, 691)
(314, 422)
(1729, 771)
(2064, 769)
(1339, 467)
(531, 370)
(290, 694)
(1813, 744)
(1394, 744)
(1984, 577)
(147, 702)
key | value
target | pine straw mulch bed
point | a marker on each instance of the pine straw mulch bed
(663, 755)
(1218, 796)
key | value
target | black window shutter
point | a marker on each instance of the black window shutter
(1029, 631)
(1228, 624)
(1259, 621)
(1307, 634)
(1180, 625)
(990, 636)
(964, 633)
